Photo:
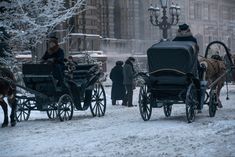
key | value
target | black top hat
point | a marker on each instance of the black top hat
(183, 27)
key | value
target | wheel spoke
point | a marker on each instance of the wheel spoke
(96, 109)
(102, 110)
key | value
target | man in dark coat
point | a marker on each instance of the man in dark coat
(55, 55)
(118, 89)
(184, 34)
(128, 81)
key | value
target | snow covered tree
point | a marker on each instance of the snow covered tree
(29, 21)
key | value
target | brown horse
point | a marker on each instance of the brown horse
(8, 89)
(215, 67)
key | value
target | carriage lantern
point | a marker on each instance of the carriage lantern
(164, 25)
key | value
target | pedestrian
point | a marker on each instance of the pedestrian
(118, 89)
(128, 81)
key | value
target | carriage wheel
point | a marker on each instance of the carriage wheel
(167, 109)
(212, 103)
(23, 110)
(52, 111)
(191, 102)
(98, 101)
(144, 104)
(65, 107)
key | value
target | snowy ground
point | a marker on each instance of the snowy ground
(122, 132)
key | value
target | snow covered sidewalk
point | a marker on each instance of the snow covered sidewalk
(122, 132)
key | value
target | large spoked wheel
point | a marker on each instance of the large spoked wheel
(23, 109)
(144, 103)
(212, 103)
(52, 111)
(98, 101)
(191, 103)
(65, 108)
(167, 109)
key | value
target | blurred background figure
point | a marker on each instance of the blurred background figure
(118, 88)
(128, 81)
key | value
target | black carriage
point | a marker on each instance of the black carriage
(172, 79)
(81, 90)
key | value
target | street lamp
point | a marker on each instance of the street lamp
(164, 25)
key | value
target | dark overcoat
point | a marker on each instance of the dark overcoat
(58, 63)
(128, 73)
(58, 57)
(118, 89)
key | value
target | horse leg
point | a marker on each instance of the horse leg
(12, 102)
(4, 107)
(218, 89)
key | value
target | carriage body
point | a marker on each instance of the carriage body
(171, 64)
(44, 94)
(84, 82)
(172, 78)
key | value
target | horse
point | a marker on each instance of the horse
(8, 89)
(214, 68)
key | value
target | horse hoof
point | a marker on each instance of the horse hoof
(13, 123)
(4, 125)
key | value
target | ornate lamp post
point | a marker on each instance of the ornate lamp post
(164, 25)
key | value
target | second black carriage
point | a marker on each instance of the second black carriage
(172, 79)
(81, 90)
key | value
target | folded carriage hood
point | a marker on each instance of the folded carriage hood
(177, 55)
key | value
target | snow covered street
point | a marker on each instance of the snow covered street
(122, 132)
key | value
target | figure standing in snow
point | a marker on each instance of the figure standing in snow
(128, 81)
(55, 55)
(118, 89)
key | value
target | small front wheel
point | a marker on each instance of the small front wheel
(23, 109)
(52, 111)
(144, 103)
(98, 101)
(167, 109)
(191, 102)
(65, 108)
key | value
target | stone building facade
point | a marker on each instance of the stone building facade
(124, 25)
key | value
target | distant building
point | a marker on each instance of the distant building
(124, 25)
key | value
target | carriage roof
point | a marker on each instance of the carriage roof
(172, 55)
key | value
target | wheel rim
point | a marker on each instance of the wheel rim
(65, 107)
(167, 110)
(212, 104)
(52, 111)
(144, 105)
(23, 110)
(191, 103)
(98, 101)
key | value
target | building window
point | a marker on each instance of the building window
(198, 11)
(206, 12)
